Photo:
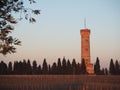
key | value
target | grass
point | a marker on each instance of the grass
(59, 82)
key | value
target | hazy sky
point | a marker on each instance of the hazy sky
(57, 31)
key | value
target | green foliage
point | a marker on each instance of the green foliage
(112, 67)
(7, 20)
(54, 68)
(106, 71)
(44, 67)
(59, 68)
(83, 67)
(69, 67)
(117, 68)
(34, 69)
(74, 65)
(3, 68)
(97, 67)
(66, 68)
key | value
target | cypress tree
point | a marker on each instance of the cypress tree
(112, 67)
(83, 67)
(69, 67)
(49, 69)
(24, 66)
(97, 67)
(3, 68)
(59, 66)
(34, 69)
(10, 68)
(39, 70)
(44, 67)
(106, 71)
(29, 67)
(64, 66)
(74, 65)
(54, 68)
(78, 69)
(117, 68)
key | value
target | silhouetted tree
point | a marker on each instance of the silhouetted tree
(20, 68)
(69, 67)
(44, 67)
(97, 67)
(74, 65)
(39, 70)
(34, 69)
(9, 68)
(64, 66)
(112, 67)
(54, 68)
(106, 71)
(102, 72)
(3, 68)
(29, 67)
(7, 19)
(117, 68)
(24, 63)
(78, 69)
(59, 66)
(83, 67)
(49, 69)
(15, 67)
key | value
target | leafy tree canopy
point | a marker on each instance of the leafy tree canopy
(7, 20)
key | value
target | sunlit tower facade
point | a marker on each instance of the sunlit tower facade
(85, 49)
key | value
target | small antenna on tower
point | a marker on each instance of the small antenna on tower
(84, 22)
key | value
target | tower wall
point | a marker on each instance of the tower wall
(85, 45)
(85, 49)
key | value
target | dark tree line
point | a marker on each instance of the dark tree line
(61, 67)
(114, 68)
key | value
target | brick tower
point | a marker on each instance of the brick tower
(85, 49)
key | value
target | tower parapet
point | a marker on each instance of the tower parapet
(85, 32)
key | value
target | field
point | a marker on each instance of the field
(59, 82)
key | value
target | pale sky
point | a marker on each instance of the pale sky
(57, 31)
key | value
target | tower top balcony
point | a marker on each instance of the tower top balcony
(85, 32)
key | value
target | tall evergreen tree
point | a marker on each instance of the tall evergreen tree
(59, 66)
(106, 71)
(29, 67)
(44, 67)
(15, 67)
(24, 67)
(117, 67)
(10, 68)
(74, 65)
(3, 68)
(54, 68)
(112, 67)
(39, 70)
(78, 69)
(64, 66)
(102, 72)
(34, 71)
(97, 67)
(49, 69)
(20, 68)
(83, 67)
(69, 67)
